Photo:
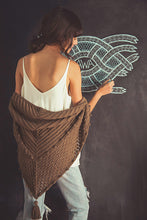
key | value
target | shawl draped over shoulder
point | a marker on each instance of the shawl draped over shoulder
(47, 142)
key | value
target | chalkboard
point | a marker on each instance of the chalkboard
(114, 158)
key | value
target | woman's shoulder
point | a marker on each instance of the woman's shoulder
(75, 66)
(20, 59)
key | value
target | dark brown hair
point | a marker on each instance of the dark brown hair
(58, 27)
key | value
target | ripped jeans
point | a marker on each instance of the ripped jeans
(74, 191)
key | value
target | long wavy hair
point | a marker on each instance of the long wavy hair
(58, 27)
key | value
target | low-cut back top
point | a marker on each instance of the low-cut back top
(54, 99)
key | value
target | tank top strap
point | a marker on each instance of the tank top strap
(24, 71)
(67, 67)
(65, 73)
(23, 66)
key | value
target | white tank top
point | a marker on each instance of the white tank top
(54, 99)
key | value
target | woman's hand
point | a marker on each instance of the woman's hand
(106, 87)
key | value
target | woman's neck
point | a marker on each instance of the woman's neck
(51, 49)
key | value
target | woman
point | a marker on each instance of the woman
(51, 80)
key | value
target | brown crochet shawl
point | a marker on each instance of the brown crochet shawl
(48, 142)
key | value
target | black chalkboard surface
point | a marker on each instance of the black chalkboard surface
(114, 158)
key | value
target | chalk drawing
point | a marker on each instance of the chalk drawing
(99, 60)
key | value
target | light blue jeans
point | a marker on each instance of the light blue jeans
(74, 191)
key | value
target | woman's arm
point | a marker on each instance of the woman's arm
(75, 82)
(94, 100)
(18, 77)
(75, 87)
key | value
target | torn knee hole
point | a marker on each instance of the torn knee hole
(87, 192)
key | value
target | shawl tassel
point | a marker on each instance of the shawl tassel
(36, 211)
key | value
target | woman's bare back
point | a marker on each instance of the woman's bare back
(46, 70)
